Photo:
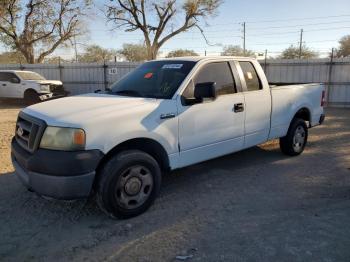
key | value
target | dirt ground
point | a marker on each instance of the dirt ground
(255, 205)
(8, 117)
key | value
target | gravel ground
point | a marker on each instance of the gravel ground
(255, 205)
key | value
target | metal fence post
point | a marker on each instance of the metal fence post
(330, 71)
(105, 75)
(60, 67)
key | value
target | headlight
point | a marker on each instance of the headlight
(62, 138)
(44, 88)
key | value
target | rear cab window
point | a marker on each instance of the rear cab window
(251, 77)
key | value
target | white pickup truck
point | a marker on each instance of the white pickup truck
(164, 115)
(28, 85)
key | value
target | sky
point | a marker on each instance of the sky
(271, 25)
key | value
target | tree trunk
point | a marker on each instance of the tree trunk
(28, 53)
(152, 51)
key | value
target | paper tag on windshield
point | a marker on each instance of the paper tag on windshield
(249, 75)
(172, 66)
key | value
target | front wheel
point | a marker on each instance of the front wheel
(31, 97)
(294, 142)
(128, 184)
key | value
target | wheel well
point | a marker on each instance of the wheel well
(147, 145)
(304, 114)
(28, 91)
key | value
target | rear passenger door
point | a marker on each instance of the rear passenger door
(257, 103)
(212, 128)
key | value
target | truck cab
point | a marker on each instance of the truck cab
(165, 115)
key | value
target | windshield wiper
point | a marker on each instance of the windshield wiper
(127, 92)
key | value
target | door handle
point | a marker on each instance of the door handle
(3, 84)
(239, 107)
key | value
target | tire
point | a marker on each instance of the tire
(31, 97)
(294, 142)
(128, 184)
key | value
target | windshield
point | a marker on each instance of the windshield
(30, 76)
(156, 79)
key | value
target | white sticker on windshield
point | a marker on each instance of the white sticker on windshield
(172, 66)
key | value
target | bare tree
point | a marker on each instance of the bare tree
(181, 52)
(158, 20)
(133, 52)
(97, 54)
(236, 50)
(344, 47)
(11, 57)
(293, 52)
(37, 27)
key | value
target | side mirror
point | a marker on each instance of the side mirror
(204, 90)
(15, 80)
(97, 91)
(200, 92)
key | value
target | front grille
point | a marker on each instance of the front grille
(57, 89)
(29, 131)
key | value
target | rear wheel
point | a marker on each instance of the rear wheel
(128, 184)
(294, 142)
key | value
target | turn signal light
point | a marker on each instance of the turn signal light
(79, 137)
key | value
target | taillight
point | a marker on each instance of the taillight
(323, 99)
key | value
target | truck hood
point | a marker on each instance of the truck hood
(46, 82)
(80, 110)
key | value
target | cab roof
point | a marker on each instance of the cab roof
(205, 58)
(14, 71)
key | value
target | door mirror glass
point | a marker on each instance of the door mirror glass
(200, 91)
(204, 90)
(14, 80)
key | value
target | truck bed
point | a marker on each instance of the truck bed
(280, 84)
(287, 98)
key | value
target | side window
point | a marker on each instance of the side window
(251, 77)
(6, 77)
(221, 74)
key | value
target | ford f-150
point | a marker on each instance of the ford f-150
(164, 115)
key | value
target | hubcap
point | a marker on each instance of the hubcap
(299, 139)
(134, 187)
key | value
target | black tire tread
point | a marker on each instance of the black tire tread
(106, 173)
(286, 142)
(31, 97)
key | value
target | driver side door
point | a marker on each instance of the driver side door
(213, 127)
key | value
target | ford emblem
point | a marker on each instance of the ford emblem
(20, 131)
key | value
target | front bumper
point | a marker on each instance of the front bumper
(56, 174)
(50, 96)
